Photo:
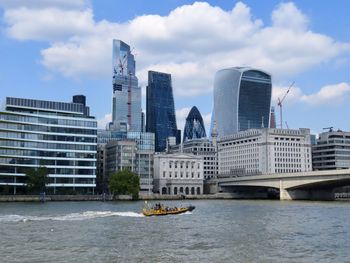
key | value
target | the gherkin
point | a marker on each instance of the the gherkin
(194, 127)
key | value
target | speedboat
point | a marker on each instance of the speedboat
(161, 210)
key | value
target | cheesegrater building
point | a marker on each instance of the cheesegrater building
(58, 135)
(242, 98)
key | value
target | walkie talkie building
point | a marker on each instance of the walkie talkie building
(242, 99)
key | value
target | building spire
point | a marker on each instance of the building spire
(214, 134)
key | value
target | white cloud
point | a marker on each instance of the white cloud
(288, 16)
(48, 24)
(102, 123)
(181, 116)
(192, 42)
(207, 122)
(334, 94)
(330, 95)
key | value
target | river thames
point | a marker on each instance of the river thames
(216, 231)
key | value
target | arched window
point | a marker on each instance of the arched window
(187, 191)
(175, 190)
(181, 190)
(164, 191)
(198, 190)
(192, 191)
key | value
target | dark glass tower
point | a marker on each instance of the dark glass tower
(160, 110)
(194, 127)
(242, 99)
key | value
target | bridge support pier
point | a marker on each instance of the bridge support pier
(293, 194)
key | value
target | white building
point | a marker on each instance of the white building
(201, 147)
(332, 151)
(178, 174)
(265, 151)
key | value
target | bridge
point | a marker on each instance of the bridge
(292, 186)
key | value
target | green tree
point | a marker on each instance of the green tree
(37, 179)
(125, 182)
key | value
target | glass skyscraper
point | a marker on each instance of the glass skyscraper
(160, 109)
(194, 127)
(58, 135)
(242, 98)
(126, 105)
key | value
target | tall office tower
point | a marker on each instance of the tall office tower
(242, 98)
(58, 135)
(160, 110)
(126, 109)
(273, 118)
(194, 127)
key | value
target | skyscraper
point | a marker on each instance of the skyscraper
(194, 127)
(126, 109)
(160, 110)
(242, 98)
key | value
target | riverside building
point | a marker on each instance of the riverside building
(204, 148)
(242, 98)
(132, 150)
(332, 151)
(58, 135)
(178, 174)
(265, 151)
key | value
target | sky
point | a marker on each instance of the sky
(54, 49)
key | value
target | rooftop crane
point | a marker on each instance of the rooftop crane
(330, 129)
(280, 101)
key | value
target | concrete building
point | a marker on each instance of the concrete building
(332, 151)
(265, 151)
(134, 152)
(176, 174)
(242, 99)
(204, 148)
(58, 135)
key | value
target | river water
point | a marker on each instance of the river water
(216, 231)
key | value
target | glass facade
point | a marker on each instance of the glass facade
(194, 127)
(160, 110)
(242, 98)
(140, 161)
(126, 102)
(61, 136)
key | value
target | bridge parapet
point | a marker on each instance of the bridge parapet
(291, 185)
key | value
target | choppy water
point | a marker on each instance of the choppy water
(216, 231)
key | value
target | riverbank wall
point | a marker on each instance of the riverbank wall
(40, 198)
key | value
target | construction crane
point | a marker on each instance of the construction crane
(280, 101)
(121, 66)
(330, 129)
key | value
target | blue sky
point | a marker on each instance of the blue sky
(53, 49)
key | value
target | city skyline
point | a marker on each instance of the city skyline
(293, 41)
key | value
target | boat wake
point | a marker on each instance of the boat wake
(69, 217)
